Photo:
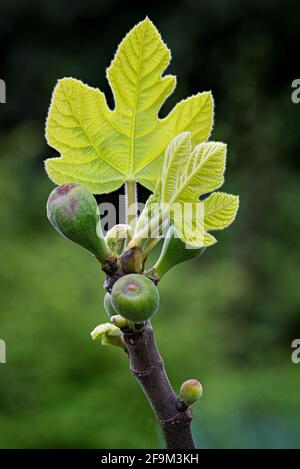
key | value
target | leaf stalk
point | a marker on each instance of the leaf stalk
(131, 203)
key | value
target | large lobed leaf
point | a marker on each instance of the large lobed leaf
(102, 148)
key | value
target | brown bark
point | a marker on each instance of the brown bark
(148, 368)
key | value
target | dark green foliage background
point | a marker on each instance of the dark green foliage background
(227, 318)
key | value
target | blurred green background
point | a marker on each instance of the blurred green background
(227, 318)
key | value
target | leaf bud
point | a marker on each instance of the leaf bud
(117, 237)
(132, 261)
(119, 321)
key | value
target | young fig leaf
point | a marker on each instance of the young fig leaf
(188, 174)
(220, 210)
(103, 147)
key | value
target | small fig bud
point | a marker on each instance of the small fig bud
(119, 321)
(73, 212)
(135, 297)
(109, 334)
(190, 392)
(110, 311)
(117, 237)
(174, 251)
(132, 261)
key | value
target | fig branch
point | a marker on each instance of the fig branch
(131, 299)
(107, 148)
(148, 368)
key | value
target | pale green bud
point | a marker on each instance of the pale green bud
(119, 321)
(117, 237)
(190, 392)
(109, 334)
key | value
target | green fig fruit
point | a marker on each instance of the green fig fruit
(135, 297)
(73, 211)
(190, 392)
(110, 311)
(174, 251)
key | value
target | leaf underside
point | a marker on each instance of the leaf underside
(102, 148)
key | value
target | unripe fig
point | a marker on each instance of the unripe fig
(135, 297)
(110, 311)
(73, 211)
(174, 252)
(190, 392)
